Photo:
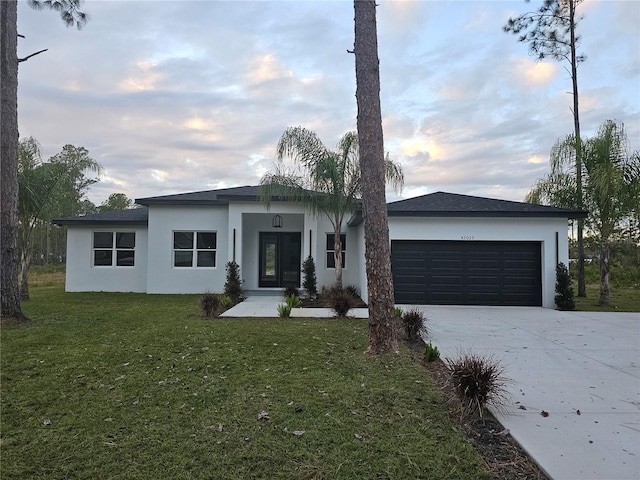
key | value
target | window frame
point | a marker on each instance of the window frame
(114, 248)
(197, 236)
(330, 249)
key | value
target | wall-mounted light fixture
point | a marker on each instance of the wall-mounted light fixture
(276, 222)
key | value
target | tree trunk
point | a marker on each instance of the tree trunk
(382, 336)
(604, 273)
(582, 289)
(9, 160)
(25, 264)
(337, 252)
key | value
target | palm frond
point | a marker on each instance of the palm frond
(301, 145)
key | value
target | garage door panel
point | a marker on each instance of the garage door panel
(467, 273)
(438, 281)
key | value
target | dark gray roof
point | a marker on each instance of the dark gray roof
(442, 204)
(133, 216)
(207, 197)
(456, 205)
(439, 204)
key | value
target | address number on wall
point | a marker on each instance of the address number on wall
(467, 237)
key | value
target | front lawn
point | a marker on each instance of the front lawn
(106, 385)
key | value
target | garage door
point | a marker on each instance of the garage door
(466, 273)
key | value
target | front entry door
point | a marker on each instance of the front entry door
(279, 259)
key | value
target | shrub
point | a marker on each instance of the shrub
(309, 282)
(352, 290)
(226, 301)
(398, 312)
(293, 301)
(431, 353)
(210, 305)
(414, 322)
(478, 381)
(233, 286)
(290, 291)
(284, 310)
(338, 299)
(564, 292)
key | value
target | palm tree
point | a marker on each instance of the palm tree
(611, 189)
(329, 181)
(44, 190)
(611, 180)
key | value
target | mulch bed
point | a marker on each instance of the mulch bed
(320, 302)
(503, 456)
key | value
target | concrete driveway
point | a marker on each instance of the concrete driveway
(582, 368)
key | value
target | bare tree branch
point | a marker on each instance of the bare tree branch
(32, 55)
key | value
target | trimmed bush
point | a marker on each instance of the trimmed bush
(564, 292)
(414, 322)
(310, 282)
(478, 381)
(431, 353)
(233, 286)
(210, 305)
(338, 299)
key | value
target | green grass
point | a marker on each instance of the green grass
(622, 299)
(140, 386)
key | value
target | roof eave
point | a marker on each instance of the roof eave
(173, 202)
(458, 214)
(62, 222)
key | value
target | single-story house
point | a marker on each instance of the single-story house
(445, 248)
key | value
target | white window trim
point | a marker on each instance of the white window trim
(194, 250)
(344, 252)
(114, 249)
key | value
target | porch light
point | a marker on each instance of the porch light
(276, 222)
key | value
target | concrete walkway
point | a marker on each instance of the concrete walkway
(266, 306)
(558, 362)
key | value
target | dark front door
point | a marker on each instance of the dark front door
(279, 259)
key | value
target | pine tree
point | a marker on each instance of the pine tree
(233, 285)
(309, 282)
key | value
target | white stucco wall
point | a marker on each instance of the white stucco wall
(162, 276)
(494, 229)
(82, 276)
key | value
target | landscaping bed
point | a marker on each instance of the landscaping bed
(503, 456)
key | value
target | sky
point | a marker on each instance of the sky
(180, 96)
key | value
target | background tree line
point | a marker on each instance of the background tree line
(52, 189)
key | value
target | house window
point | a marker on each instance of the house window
(114, 249)
(194, 249)
(331, 249)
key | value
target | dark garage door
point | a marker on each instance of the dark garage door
(466, 273)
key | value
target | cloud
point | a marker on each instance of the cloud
(534, 73)
(183, 96)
